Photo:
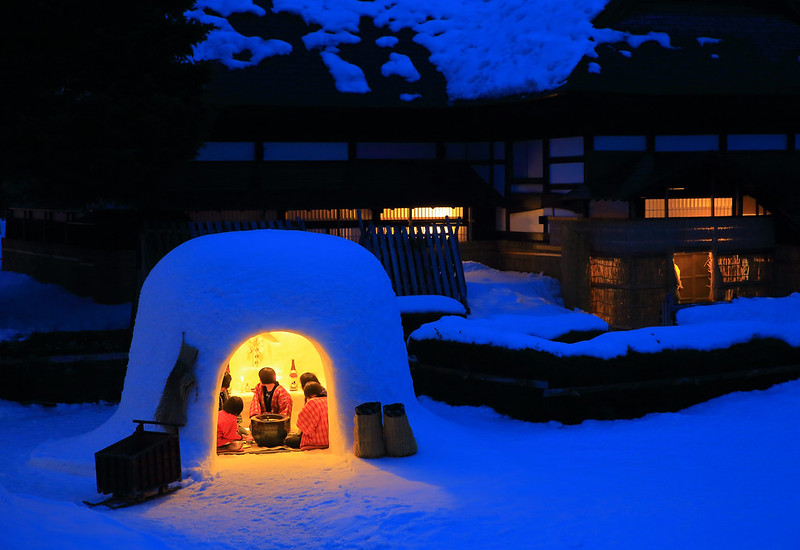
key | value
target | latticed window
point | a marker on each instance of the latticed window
(427, 215)
(689, 207)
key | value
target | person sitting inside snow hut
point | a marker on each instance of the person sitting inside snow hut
(225, 389)
(224, 395)
(307, 377)
(313, 419)
(228, 436)
(270, 397)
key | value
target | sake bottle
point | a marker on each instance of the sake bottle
(293, 377)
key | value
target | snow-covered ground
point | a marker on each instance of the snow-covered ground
(722, 474)
(28, 306)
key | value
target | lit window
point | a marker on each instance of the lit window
(430, 213)
(689, 207)
(394, 214)
(437, 212)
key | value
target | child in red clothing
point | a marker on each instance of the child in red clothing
(228, 436)
(307, 377)
(313, 419)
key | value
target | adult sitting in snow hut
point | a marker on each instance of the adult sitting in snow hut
(313, 419)
(270, 397)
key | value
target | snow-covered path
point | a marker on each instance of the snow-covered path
(719, 475)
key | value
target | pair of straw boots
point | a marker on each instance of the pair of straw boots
(392, 438)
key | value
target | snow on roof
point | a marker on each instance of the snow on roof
(485, 49)
(220, 290)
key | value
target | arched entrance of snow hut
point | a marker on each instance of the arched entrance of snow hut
(278, 349)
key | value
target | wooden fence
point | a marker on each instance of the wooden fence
(419, 259)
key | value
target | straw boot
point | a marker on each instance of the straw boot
(368, 431)
(397, 431)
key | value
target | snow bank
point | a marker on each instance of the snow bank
(28, 306)
(538, 319)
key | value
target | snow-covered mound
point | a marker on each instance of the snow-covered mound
(220, 290)
(510, 309)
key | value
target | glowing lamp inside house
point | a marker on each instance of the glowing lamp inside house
(277, 349)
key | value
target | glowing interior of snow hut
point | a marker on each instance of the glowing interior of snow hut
(279, 350)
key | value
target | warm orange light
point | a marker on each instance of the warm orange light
(689, 207)
(437, 212)
(427, 213)
(274, 349)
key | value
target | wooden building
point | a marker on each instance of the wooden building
(645, 159)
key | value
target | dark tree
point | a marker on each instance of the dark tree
(99, 101)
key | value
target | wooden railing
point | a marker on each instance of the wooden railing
(419, 259)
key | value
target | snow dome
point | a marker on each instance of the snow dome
(265, 297)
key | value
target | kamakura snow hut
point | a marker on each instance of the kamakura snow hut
(219, 291)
